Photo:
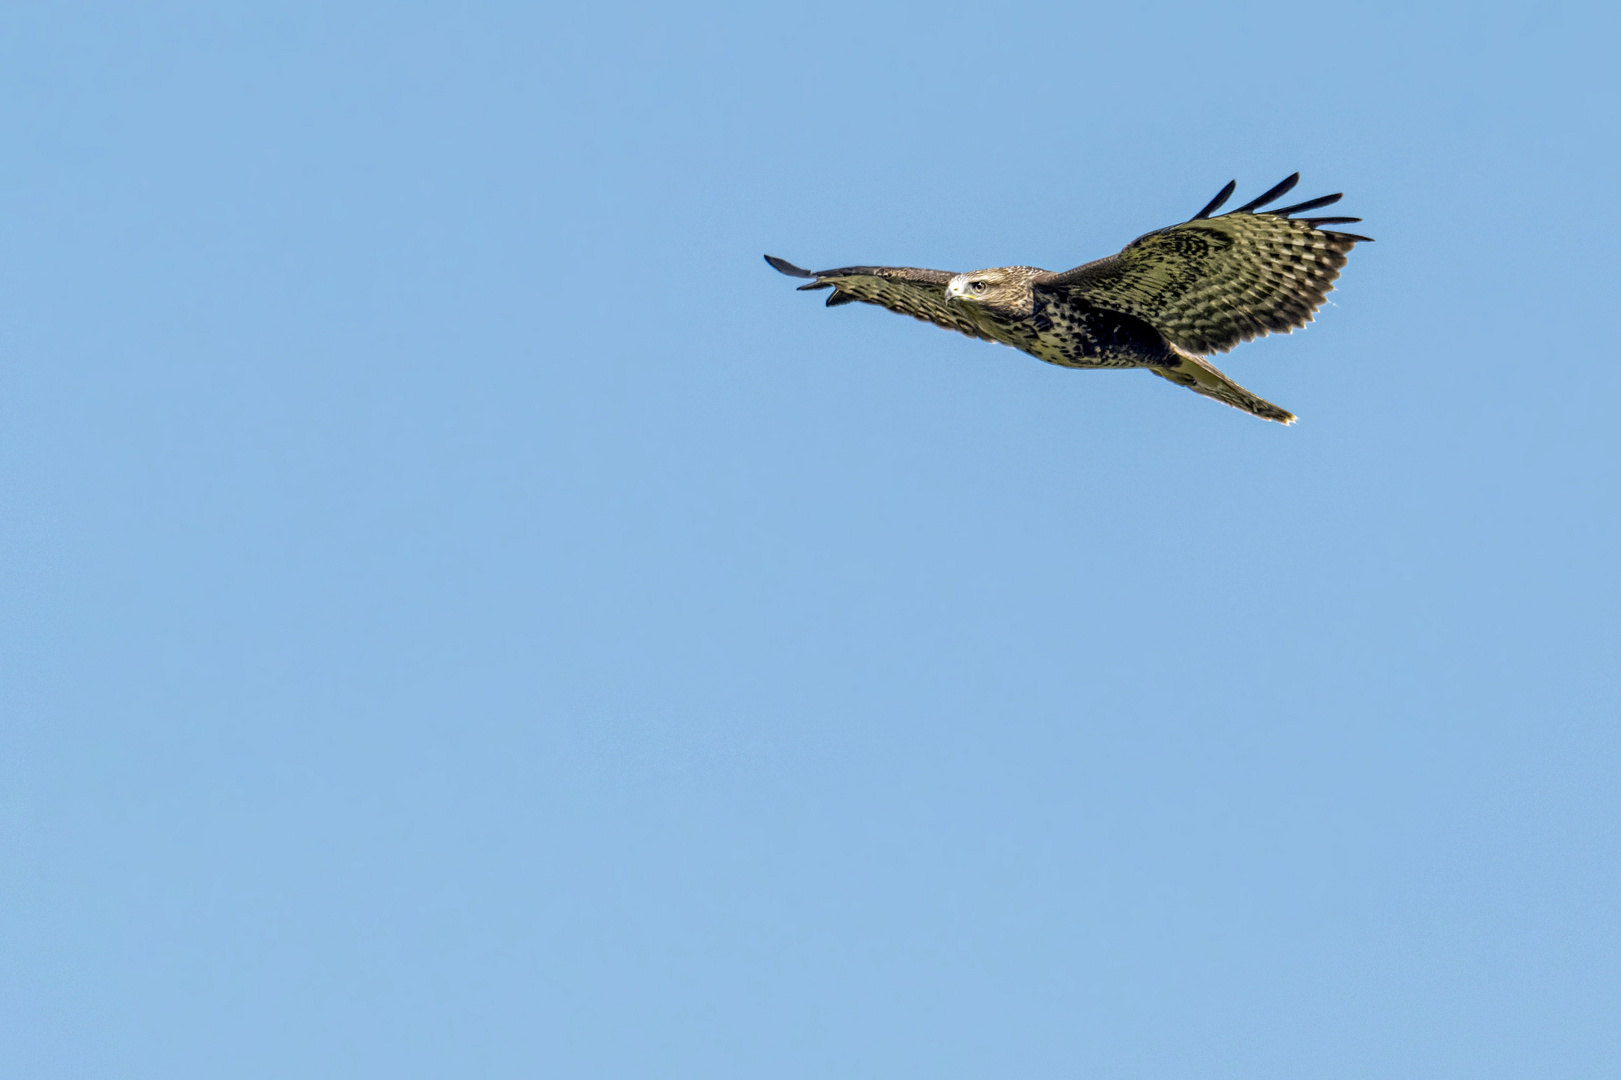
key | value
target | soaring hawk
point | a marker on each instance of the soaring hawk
(1168, 299)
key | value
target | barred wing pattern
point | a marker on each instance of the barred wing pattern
(1211, 283)
(906, 289)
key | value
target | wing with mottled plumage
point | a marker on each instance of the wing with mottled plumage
(1211, 283)
(906, 289)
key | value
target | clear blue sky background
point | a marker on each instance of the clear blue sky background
(464, 615)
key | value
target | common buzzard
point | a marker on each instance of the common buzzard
(1165, 301)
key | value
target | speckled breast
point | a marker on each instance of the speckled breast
(1081, 336)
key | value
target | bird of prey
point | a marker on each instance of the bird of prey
(1165, 302)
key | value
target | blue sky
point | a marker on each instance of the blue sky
(465, 615)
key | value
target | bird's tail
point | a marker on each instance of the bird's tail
(1201, 376)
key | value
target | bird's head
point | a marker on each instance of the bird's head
(1003, 291)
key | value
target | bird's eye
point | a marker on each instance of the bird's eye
(977, 286)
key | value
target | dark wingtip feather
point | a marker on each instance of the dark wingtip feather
(1314, 222)
(1326, 200)
(1276, 193)
(835, 298)
(1352, 237)
(1215, 204)
(783, 266)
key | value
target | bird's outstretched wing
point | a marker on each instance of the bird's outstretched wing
(1213, 282)
(906, 289)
